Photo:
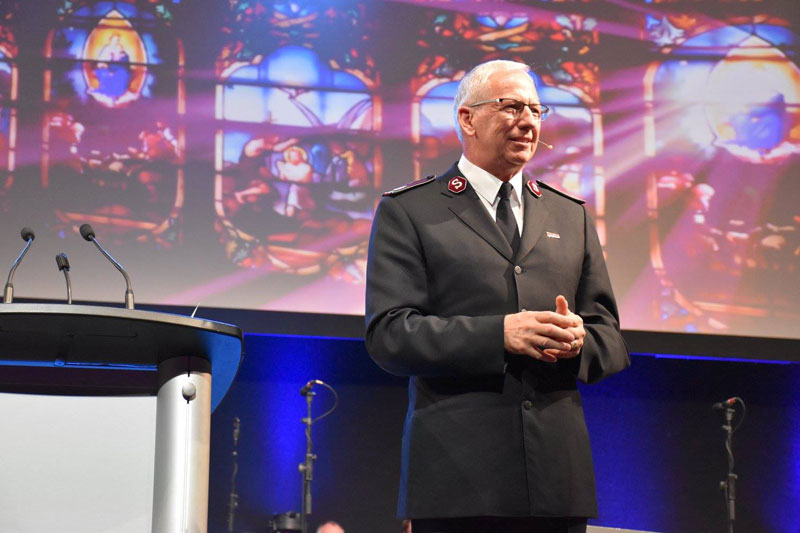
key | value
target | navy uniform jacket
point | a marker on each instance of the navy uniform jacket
(488, 433)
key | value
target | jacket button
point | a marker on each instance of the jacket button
(517, 269)
(527, 404)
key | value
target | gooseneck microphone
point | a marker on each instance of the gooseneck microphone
(63, 266)
(88, 233)
(28, 236)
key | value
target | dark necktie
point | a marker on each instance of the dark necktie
(505, 217)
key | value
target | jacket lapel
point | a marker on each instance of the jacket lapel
(467, 206)
(535, 216)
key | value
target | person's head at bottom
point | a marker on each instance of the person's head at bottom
(330, 527)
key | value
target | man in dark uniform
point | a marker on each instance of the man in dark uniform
(491, 293)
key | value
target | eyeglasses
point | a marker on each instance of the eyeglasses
(515, 108)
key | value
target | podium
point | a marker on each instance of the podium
(91, 358)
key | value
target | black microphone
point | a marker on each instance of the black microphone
(88, 233)
(63, 266)
(722, 405)
(308, 386)
(548, 146)
(28, 236)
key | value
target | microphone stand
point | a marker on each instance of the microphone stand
(307, 467)
(728, 485)
(233, 497)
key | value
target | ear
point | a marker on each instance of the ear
(465, 117)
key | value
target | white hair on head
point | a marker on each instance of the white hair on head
(474, 81)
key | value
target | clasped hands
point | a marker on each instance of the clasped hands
(545, 335)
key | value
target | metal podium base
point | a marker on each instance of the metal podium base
(183, 441)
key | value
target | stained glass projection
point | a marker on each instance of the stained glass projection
(296, 154)
(9, 77)
(113, 133)
(723, 132)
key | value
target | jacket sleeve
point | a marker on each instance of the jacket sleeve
(604, 351)
(403, 334)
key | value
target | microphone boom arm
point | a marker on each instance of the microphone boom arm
(129, 289)
(8, 291)
(87, 233)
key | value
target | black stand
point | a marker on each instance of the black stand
(233, 497)
(729, 484)
(307, 467)
(288, 521)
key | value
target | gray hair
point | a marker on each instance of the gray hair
(472, 84)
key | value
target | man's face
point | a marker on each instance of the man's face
(504, 144)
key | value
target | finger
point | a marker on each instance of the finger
(546, 356)
(561, 354)
(549, 317)
(562, 307)
(550, 331)
(535, 352)
(548, 343)
(577, 321)
(578, 332)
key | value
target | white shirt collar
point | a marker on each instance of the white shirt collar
(486, 185)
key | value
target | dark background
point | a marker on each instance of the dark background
(658, 446)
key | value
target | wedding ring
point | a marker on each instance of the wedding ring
(574, 345)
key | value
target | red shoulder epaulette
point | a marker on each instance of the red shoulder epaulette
(561, 193)
(407, 186)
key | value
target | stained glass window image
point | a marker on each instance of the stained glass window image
(8, 112)
(113, 138)
(296, 155)
(723, 129)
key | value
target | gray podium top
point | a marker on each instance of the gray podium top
(98, 339)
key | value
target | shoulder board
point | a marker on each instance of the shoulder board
(407, 186)
(560, 193)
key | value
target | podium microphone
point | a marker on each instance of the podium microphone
(63, 266)
(28, 236)
(88, 233)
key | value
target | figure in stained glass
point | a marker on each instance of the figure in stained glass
(109, 156)
(297, 163)
(718, 227)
